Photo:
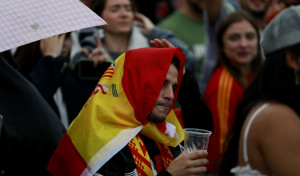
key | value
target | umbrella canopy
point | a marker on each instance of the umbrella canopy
(23, 22)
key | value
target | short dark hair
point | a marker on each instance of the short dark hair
(176, 62)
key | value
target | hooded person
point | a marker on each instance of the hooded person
(112, 133)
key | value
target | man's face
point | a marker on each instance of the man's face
(166, 96)
(258, 7)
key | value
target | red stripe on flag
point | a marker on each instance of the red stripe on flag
(106, 76)
(66, 160)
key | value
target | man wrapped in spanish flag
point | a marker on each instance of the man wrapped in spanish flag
(128, 126)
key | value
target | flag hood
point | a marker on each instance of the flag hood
(117, 110)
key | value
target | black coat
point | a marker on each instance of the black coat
(31, 129)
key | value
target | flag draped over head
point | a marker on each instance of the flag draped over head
(117, 111)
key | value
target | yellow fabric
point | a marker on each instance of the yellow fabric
(107, 120)
(140, 156)
(225, 86)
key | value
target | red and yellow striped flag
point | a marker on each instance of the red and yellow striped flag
(117, 111)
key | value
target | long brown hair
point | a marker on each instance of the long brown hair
(234, 17)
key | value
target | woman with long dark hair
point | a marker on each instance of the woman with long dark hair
(239, 60)
(265, 136)
(127, 29)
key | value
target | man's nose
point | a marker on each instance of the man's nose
(169, 93)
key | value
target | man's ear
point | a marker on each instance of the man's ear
(292, 60)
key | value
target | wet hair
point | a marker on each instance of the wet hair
(232, 18)
(274, 82)
(98, 6)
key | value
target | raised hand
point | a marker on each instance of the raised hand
(144, 23)
(98, 55)
(156, 43)
(52, 46)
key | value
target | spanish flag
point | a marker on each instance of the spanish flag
(117, 111)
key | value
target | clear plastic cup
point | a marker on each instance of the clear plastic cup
(196, 139)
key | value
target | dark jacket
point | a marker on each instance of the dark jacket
(31, 130)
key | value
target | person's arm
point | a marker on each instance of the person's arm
(279, 139)
(195, 112)
(212, 9)
(48, 72)
(215, 11)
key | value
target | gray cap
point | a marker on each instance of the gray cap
(283, 31)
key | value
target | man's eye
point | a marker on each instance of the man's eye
(174, 88)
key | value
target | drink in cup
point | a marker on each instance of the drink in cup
(196, 139)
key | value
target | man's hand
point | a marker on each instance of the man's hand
(97, 55)
(189, 164)
(156, 43)
(52, 46)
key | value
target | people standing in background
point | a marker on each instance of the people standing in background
(216, 11)
(155, 10)
(240, 58)
(265, 138)
(187, 24)
(257, 10)
(45, 63)
(126, 30)
(277, 6)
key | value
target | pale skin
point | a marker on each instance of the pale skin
(185, 164)
(241, 47)
(52, 46)
(274, 139)
(165, 97)
(120, 17)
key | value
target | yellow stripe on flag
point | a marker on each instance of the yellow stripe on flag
(224, 91)
(88, 142)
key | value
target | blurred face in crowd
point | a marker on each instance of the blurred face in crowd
(119, 16)
(196, 5)
(240, 43)
(255, 7)
(166, 96)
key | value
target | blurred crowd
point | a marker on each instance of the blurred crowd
(242, 61)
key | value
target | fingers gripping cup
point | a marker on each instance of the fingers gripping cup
(195, 139)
